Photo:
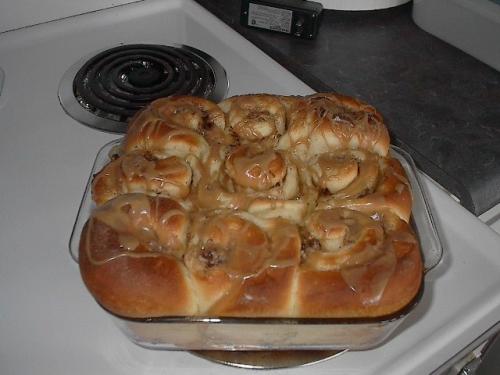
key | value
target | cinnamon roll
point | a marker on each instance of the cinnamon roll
(160, 139)
(355, 265)
(136, 173)
(254, 178)
(339, 238)
(253, 168)
(345, 173)
(391, 191)
(255, 118)
(178, 126)
(129, 256)
(241, 264)
(198, 114)
(328, 122)
(227, 241)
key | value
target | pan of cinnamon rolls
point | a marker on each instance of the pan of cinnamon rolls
(283, 216)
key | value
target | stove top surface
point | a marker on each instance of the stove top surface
(45, 159)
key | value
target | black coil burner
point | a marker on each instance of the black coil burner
(114, 84)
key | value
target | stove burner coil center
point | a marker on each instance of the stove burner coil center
(109, 88)
(142, 74)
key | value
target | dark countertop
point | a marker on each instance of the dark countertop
(440, 104)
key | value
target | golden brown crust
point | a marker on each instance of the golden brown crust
(129, 253)
(133, 287)
(380, 287)
(326, 294)
(268, 294)
(285, 206)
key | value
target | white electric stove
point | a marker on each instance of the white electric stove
(49, 323)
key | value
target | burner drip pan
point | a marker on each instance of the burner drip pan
(106, 90)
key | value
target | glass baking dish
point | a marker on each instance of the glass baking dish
(242, 334)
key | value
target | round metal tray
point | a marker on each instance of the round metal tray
(267, 359)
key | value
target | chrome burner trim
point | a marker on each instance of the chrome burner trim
(75, 110)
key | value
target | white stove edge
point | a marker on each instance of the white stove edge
(492, 218)
(68, 312)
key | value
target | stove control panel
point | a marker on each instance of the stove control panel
(295, 17)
